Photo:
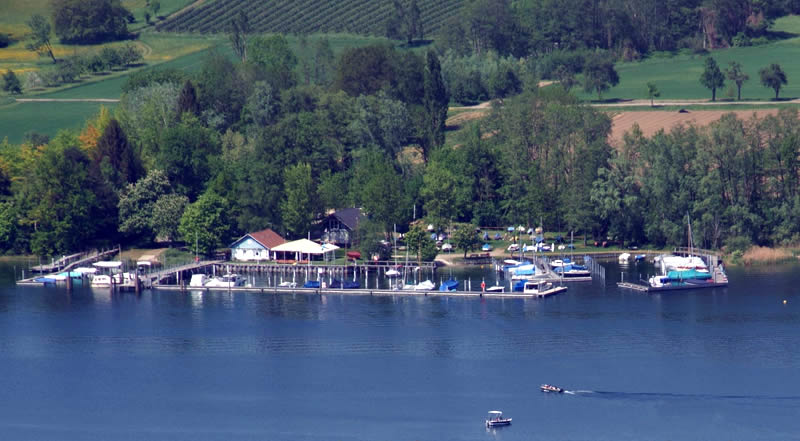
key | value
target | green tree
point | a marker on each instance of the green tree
(466, 238)
(712, 77)
(240, 30)
(66, 215)
(735, 74)
(116, 158)
(137, 201)
(565, 77)
(187, 100)
(206, 223)
(11, 83)
(435, 102)
(599, 75)
(275, 57)
(40, 36)
(185, 152)
(773, 77)
(324, 60)
(652, 92)
(439, 192)
(297, 209)
(90, 21)
(379, 189)
(419, 242)
(166, 215)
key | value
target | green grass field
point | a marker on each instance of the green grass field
(679, 77)
(48, 118)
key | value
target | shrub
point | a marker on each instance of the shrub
(741, 40)
(5, 40)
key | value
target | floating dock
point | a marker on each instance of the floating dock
(676, 287)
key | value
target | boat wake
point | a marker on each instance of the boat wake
(669, 395)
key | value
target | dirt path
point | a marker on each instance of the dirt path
(67, 100)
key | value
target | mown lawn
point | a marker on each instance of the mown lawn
(678, 77)
(47, 118)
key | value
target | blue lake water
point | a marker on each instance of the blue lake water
(718, 364)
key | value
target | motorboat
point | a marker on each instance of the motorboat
(639, 257)
(677, 278)
(541, 288)
(392, 273)
(312, 284)
(496, 288)
(558, 263)
(449, 285)
(425, 286)
(225, 281)
(624, 257)
(287, 285)
(496, 418)
(347, 284)
(572, 270)
(106, 270)
(198, 281)
(551, 388)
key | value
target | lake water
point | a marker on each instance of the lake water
(718, 364)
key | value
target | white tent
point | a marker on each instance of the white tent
(303, 247)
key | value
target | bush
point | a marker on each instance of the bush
(741, 40)
(5, 40)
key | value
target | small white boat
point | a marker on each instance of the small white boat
(496, 418)
(624, 257)
(107, 270)
(551, 388)
(425, 286)
(541, 288)
(496, 288)
(225, 281)
(197, 281)
(392, 273)
(287, 285)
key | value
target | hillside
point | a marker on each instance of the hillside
(305, 16)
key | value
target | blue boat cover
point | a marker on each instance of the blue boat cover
(311, 284)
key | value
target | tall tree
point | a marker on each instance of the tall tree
(40, 36)
(712, 77)
(115, 157)
(274, 56)
(735, 74)
(652, 92)
(166, 215)
(773, 77)
(435, 102)
(297, 208)
(240, 30)
(599, 75)
(187, 100)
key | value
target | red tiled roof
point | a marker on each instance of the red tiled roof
(268, 238)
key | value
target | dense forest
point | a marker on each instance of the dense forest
(270, 139)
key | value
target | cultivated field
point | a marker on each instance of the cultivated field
(650, 122)
(366, 17)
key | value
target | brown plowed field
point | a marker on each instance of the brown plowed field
(652, 122)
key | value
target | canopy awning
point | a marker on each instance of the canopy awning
(305, 246)
(108, 264)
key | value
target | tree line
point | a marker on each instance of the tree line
(275, 140)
